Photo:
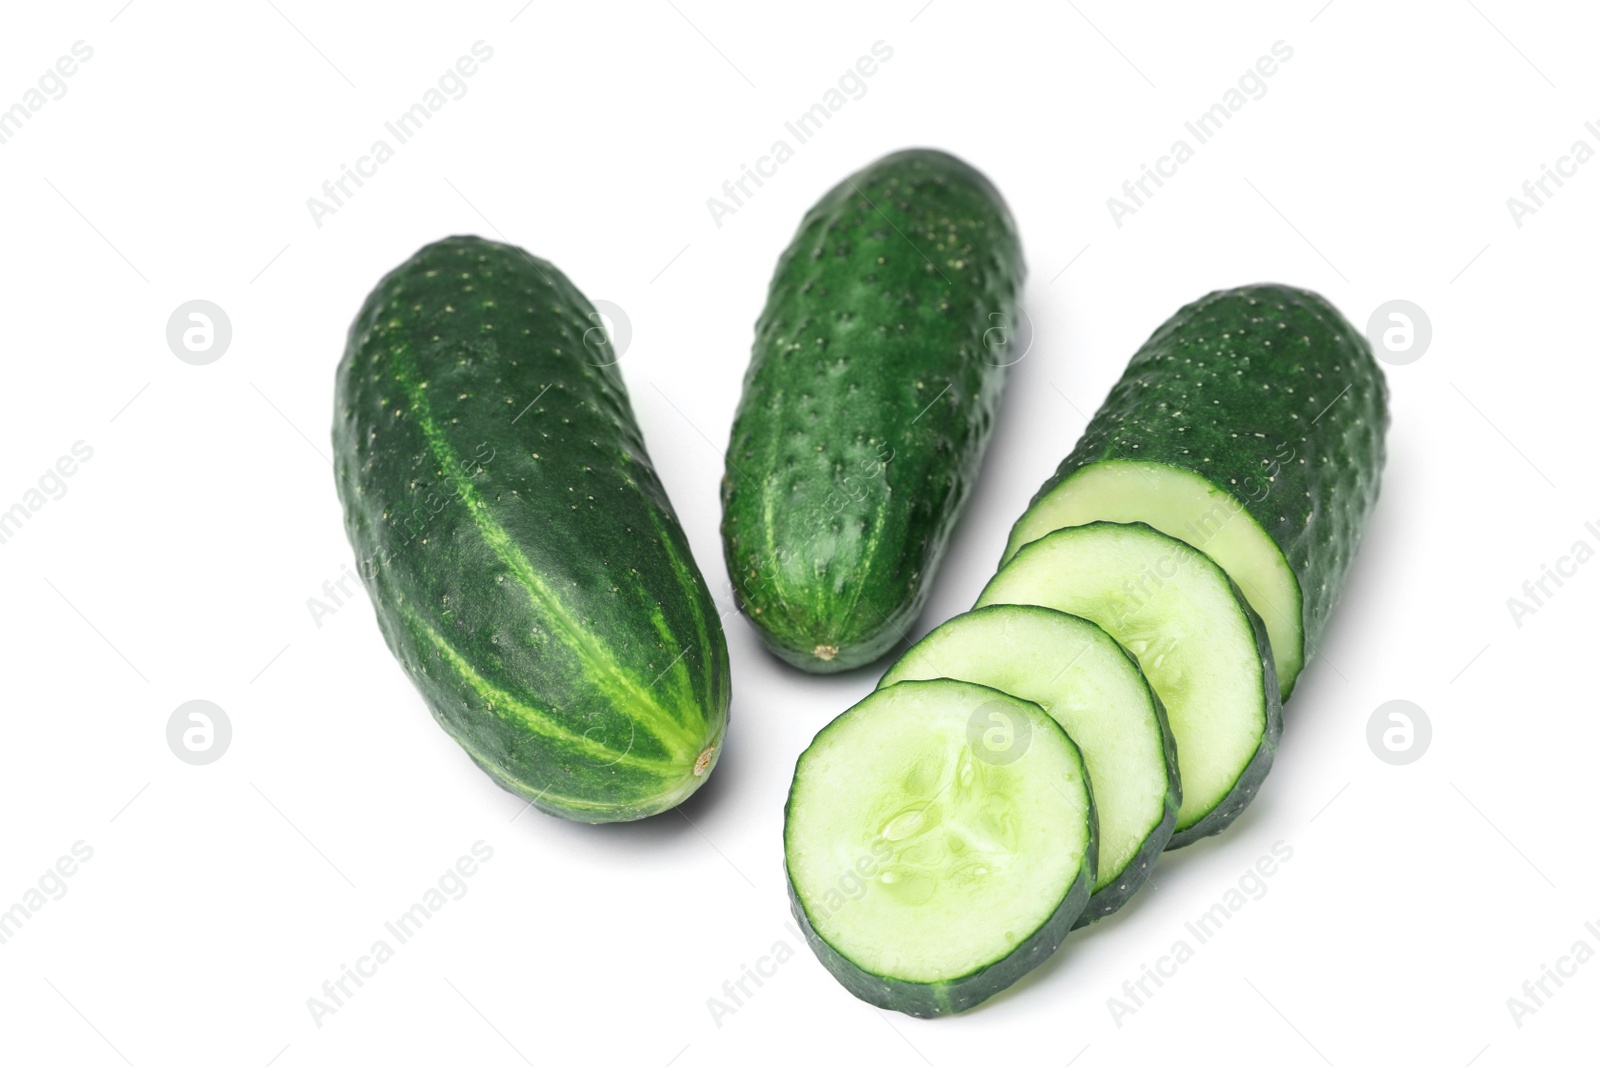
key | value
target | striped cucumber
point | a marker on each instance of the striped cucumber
(526, 567)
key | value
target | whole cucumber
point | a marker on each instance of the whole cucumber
(527, 569)
(876, 373)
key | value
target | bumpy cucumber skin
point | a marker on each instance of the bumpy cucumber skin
(525, 565)
(872, 389)
(927, 1000)
(1108, 900)
(1228, 383)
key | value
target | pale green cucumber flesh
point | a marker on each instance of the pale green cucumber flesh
(939, 841)
(1199, 644)
(1184, 505)
(1271, 396)
(1089, 684)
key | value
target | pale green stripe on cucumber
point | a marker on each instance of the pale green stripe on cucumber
(605, 673)
(524, 562)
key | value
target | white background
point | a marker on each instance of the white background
(180, 561)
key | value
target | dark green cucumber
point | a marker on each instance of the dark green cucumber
(940, 840)
(1251, 426)
(526, 567)
(877, 368)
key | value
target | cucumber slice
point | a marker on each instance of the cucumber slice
(1184, 505)
(1250, 425)
(939, 841)
(1086, 681)
(1202, 648)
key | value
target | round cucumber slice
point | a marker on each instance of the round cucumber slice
(1086, 681)
(1184, 505)
(939, 841)
(1250, 425)
(1203, 650)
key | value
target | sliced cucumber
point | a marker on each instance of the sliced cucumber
(1184, 505)
(1202, 648)
(1251, 426)
(939, 841)
(1074, 670)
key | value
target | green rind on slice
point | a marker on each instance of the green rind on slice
(939, 841)
(1201, 647)
(874, 380)
(1184, 505)
(1091, 686)
(1250, 425)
